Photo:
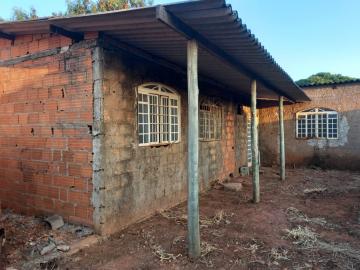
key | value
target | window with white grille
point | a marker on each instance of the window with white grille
(317, 123)
(158, 114)
(210, 118)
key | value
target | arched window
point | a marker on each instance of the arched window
(317, 123)
(158, 114)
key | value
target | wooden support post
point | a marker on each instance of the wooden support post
(193, 150)
(254, 145)
(282, 138)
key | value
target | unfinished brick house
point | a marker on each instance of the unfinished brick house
(323, 132)
(96, 124)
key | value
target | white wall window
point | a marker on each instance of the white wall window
(158, 114)
(210, 118)
(317, 123)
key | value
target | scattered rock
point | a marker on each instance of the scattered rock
(47, 248)
(55, 222)
(244, 171)
(82, 231)
(233, 186)
(63, 248)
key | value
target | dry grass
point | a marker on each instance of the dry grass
(279, 254)
(206, 249)
(157, 249)
(303, 236)
(295, 215)
(159, 252)
(219, 218)
(314, 190)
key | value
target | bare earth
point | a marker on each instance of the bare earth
(310, 221)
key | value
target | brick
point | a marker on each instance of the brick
(80, 144)
(63, 194)
(64, 181)
(56, 143)
(80, 170)
(64, 208)
(80, 198)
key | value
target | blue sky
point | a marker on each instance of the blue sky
(304, 36)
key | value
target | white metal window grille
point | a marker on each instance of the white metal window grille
(158, 114)
(210, 118)
(317, 123)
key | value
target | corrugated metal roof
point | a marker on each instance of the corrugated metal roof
(212, 19)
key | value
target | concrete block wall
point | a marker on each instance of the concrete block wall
(139, 180)
(45, 126)
(341, 153)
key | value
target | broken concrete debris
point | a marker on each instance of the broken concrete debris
(50, 247)
(82, 231)
(55, 222)
(63, 248)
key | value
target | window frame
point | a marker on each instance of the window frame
(168, 95)
(219, 110)
(315, 121)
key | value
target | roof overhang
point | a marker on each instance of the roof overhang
(229, 54)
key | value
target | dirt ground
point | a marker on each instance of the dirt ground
(310, 221)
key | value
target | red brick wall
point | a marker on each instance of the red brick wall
(45, 123)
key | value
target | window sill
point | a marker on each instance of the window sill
(209, 140)
(156, 145)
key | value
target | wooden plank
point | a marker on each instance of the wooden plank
(28, 57)
(193, 150)
(282, 138)
(254, 145)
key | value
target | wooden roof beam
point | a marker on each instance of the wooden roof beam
(76, 36)
(7, 36)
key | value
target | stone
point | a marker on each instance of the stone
(244, 171)
(55, 222)
(63, 248)
(82, 231)
(47, 248)
(233, 186)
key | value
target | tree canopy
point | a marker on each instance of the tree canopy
(19, 14)
(324, 77)
(75, 7)
(78, 7)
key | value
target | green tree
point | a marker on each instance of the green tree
(20, 14)
(324, 77)
(77, 7)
